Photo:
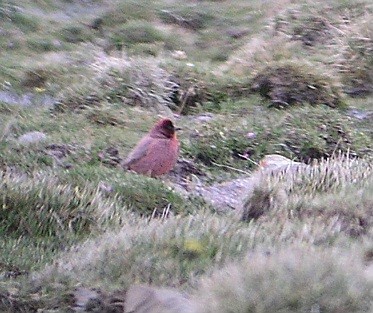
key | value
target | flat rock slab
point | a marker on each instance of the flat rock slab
(229, 195)
(32, 138)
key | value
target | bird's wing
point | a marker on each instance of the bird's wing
(140, 150)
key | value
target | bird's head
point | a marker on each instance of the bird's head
(164, 128)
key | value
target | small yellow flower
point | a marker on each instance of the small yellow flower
(193, 246)
(39, 89)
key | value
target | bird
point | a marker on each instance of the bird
(157, 152)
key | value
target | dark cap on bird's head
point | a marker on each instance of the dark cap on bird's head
(164, 127)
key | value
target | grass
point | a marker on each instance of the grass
(136, 32)
(288, 84)
(287, 281)
(242, 81)
(328, 189)
(302, 134)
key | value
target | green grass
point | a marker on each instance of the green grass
(257, 78)
(136, 32)
(302, 134)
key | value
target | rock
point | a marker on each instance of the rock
(179, 55)
(360, 114)
(232, 195)
(189, 180)
(204, 117)
(32, 138)
(251, 135)
(274, 163)
(228, 195)
(26, 99)
(146, 299)
(82, 296)
(91, 300)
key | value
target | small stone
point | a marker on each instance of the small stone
(83, 296)
(32, 137)
(204, 118)
(179, 55)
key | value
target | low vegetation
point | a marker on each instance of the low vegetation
(288, 280)
(82, 82)
(303, 134)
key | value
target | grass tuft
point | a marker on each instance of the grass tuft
(42, 206)
(296, 84)
(331, 191)
(291, 280)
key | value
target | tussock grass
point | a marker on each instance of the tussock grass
(331, 174)
(74, 34)
(41, 205)
(121, 12)
(178, 252)
(21, 20)
(287, 84)
(70, 218)
(172, 252)
(187, 17)
(333, 191)
(132, 81)
(152, 83)
(289, 280)
(21, 255)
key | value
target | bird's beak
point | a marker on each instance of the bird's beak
(178, 128)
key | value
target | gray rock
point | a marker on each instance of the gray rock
(26, 99)
(32, 138)
(231, 195)
(146, 299)
(83, 296)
